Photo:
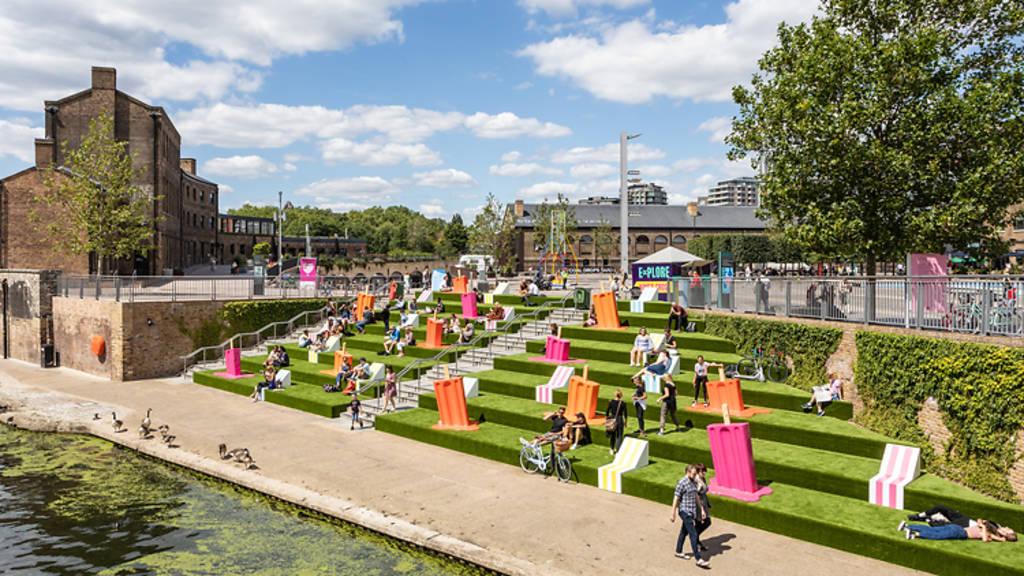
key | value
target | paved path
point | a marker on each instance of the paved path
(537, 525)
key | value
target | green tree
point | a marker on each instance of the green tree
(456, 236)
(886, 127)
(606, 240)
(100, 210)
(494, 233)
(261, 249)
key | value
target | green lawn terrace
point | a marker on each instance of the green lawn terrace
(818, 467)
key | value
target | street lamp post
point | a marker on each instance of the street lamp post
(624, 139)
(280, 225)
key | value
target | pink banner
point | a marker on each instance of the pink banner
(307, 272)
(932, 293)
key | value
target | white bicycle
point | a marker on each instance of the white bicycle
(533, 460)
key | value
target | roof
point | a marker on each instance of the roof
(667, 217)
(670, 255)
(188, 174)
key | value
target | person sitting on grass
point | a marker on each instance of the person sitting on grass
(579, 431)
(283, 361)
(391, 340)
(497, 312)
(368, 318)
(478, 295)
(558, 424)
(345, 317)
(642, 344)
(408, 340)
(591, 317)
(269, 383)
(677, 317)
(305, 341)
(980, 529)
(467, 333)
(341, 377)
(355, 408)
(823, 396)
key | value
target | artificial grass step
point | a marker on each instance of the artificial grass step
(653, 321)
(304, 372)
(848, 524)
(612, 351)
(297, 396)
(780, 425)
(765, 394)
(504, 299)
(684, 340)
(812, 468)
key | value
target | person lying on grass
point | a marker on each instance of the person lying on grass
(980, 529)
(823, 396)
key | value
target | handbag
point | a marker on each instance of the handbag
(612, 424)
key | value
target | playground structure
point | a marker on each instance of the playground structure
(559, 379)
(558, 252)
(900, 466)
(632, 454)
(732, 455)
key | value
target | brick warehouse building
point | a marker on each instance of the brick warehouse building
(185, 232)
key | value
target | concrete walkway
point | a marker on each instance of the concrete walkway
(489, 512)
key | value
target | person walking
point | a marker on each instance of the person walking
(668, 405)
(640, 404)
(615, 422)
(390, 389)
(684, 504)
(703, 504)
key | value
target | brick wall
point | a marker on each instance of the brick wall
(143, 339)
(27, 241)
(29, 310)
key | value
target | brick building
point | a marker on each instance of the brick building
(184, 205)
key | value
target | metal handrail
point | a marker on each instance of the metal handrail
(454, 347)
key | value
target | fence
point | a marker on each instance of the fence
(986, 305)
(184, 288)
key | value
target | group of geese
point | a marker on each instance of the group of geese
(239, 455)
(145, 428)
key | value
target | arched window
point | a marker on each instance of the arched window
(679, 240)
(643, 244)
(660, 242)
(586, 239)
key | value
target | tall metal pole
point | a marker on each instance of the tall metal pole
(280, 226)
(623, 207)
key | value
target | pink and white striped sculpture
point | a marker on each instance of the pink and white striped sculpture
(732, 456)
(559, 379)
(900, 466)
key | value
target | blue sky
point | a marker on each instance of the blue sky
(430, 104)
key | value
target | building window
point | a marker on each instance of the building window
(643, 244)
(1018, 222)
(202, 195)
(660, 242)
(679, 239)
(232, 249)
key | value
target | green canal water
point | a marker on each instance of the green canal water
(79, 505)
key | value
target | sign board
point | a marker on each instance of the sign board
(657, 275)
(307, 272)
(726, 273)
(437, 279)
(932, 293)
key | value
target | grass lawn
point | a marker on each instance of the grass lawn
(299, 396)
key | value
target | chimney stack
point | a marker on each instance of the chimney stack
(518, 209)
(44, 152)
(104, 78)
(189, 165)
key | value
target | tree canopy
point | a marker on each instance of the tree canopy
(493, 233)
(101, 210)
(885, 127)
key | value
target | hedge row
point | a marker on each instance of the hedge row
(807, 347)
(251, 315)
(979, 389)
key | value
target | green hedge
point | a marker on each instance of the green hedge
(979, 389)
(808, 347)
(251, 315)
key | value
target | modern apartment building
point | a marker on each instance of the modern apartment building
(735, 192)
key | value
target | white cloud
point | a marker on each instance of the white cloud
(377, 153)
(432, 209)
(548, 190)
(225, 188)
(633, 63)
(524, 169)
(592, 171)
(445, 178)
(279, 125)
(693, 164)
(349, 193)
(526, 85)
(607, 153)
(240, 167)
(49, 45)
(719, 127)
(289, 167)
(508, 125)
(17, 139)
(563, 8)
(654, 171)
(511, 156)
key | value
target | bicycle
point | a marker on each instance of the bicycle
(761, 367)
(533, 460)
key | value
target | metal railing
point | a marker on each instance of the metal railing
(206, 288)
(984, 305)
(246, 340)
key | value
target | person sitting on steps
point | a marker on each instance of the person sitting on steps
(579, 431)
(642, 344)
(497, 312)
(823, 396)
(677, 317)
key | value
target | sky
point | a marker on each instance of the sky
(431, 104)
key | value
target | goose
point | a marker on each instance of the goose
(169, 439)
(248, 462)
(118, 425)
(234, 454)
(96, 416)
(146, 423)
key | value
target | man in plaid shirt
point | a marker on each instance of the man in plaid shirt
(685, 504)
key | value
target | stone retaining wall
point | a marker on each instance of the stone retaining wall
(29, 311)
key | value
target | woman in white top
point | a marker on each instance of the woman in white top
(642, 344)
(700, 380)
